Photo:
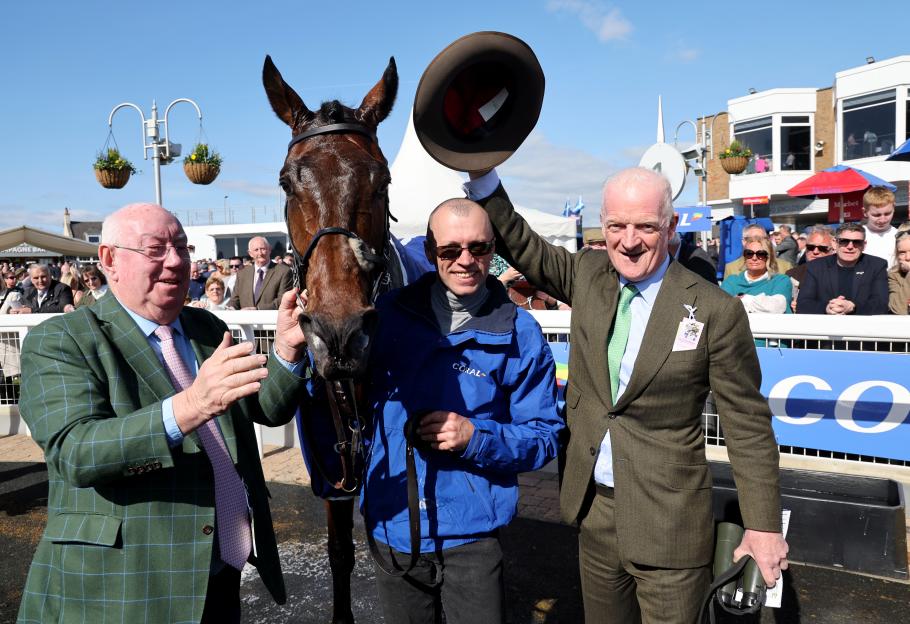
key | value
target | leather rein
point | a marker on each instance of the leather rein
(348, 422)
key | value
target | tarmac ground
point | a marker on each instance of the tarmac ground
(541, 558)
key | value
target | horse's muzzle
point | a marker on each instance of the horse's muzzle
(341, 347)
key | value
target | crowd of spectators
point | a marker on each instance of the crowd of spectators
(862, 269)
(39, 287)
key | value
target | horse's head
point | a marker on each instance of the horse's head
(336, 180)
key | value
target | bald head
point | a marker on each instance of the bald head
(125, 221)
(457, 207)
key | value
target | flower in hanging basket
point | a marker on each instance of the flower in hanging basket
(736, 150)
(111, 169)
(202, 165)
(735, 158)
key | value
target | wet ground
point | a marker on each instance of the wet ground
(541, 564)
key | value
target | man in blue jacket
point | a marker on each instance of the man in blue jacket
(467, 381)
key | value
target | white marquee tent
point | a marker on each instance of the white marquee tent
(419, 184)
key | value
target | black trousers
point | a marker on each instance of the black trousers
(464, 582)
(222, 600)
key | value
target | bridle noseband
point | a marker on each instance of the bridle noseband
(302, 261)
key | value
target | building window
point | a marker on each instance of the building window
(93, 238)
(795, 139)
(869, 124)
(756, 135)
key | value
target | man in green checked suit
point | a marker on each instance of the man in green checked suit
(134, 533)
(649, 339)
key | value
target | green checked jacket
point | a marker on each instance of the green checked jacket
(130, 533)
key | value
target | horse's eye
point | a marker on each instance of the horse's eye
(285, 186)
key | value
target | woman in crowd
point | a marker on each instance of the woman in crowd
(10, 292)
(69, 275)
(760, 287)
(214, 298)
(899, 275)
(96, 285)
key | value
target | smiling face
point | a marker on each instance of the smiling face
(215, 292)
(40, 278)
(460, 227)
(634, 228)
(154, 289)
(850, 247)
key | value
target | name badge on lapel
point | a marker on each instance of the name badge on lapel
(689, 331)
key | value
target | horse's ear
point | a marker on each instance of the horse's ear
(284, 100)
(377, 104)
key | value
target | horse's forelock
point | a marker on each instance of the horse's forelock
(334, 111)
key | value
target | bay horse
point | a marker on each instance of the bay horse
(336, 181)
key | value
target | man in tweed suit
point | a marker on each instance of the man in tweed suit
(635, 479)
(132, 534)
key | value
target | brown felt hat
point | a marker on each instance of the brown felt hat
(478, 100)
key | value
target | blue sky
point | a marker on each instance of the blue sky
(65, 65)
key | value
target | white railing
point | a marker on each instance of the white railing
(867, 333)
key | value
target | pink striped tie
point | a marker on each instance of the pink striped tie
(232, 518)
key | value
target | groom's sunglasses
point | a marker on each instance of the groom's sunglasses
(478, 249)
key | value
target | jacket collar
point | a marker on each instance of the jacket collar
(495, 316)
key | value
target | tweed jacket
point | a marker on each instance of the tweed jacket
(59, 295)
(662, 480)
(898, 291)
(276, 282)
(130, 532)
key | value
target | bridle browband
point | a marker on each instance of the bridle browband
(302, 261)
(338, 127)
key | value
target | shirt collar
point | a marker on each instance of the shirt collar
(649, 287)
(148, 327)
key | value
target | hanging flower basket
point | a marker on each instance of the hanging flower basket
(734, 164)
(113, 178)
(735, 158)
(111, 169)
(201, 173)
(203, 165)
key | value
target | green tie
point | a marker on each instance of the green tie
(619, 337)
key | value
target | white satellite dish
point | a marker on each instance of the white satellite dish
(664, 158)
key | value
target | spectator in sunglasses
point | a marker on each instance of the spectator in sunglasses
(819, 243)
(753, 230)
(96, 285)
(847, 282)
(899, 275)
(235, 264)
(760, 288)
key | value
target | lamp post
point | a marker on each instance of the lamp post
(162, 150)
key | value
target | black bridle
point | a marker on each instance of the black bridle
(302, 261)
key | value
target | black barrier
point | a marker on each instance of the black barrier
(840, 521)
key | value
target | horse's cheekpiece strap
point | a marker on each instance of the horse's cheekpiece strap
(339, 127)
